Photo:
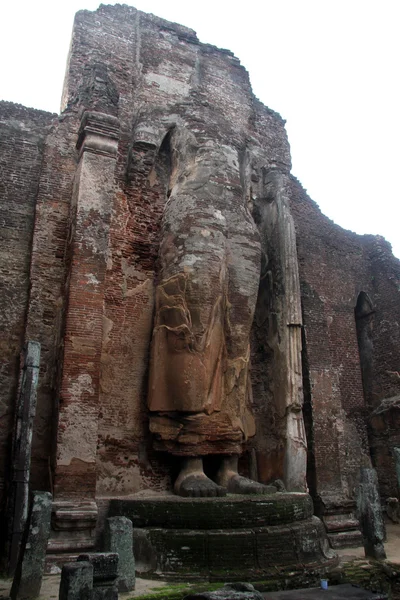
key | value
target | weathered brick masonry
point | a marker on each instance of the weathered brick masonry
(337, 268)
(22, 145)
(82, 197)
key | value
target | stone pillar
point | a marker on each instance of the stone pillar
(370, 515)
(18, 500)
(118, 538)
(296, 444)
(75, 463)
(281, 280)
(396, 453)
(29, 573)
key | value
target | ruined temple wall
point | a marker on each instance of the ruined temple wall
(150, 75)
(383, 381)
(335, 266)
(332, 273)
(49, 284)
(163, 77)
(384, 271)
(22, 136)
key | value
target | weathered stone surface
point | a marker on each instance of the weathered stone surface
(342, 525)
(370, 514)
(76, 581)
(82, 236)
(214, 513)
(118, 538)
(205, 301)
(393, 509)
(73, 525)
(29, 573)
(22, 138)
(396, 452)
(230, 591)
(92, 198)
(277, 334)
(105, 573)
(105, 566)
(18, 499)
(233, 553)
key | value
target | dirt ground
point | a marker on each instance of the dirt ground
(51, 583)
(392, 546)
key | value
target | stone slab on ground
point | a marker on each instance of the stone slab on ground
(230, 591)
(336, 592)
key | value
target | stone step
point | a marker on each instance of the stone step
(229, 512)
(340, 523)
(235, 553)
(346, 539)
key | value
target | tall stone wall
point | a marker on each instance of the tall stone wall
(381, 369)
(161, 76)
(336, 266)
(22, 136)
(84, 197)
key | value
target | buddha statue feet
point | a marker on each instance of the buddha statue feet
(198, 485)
(242, 485)
(193, 482)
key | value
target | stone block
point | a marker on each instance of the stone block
(229, 548)
(76, 581)
(180, 550)
(29, 573)
(119, 538)
(105, 573)
(393, 509)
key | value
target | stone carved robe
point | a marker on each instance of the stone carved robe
(199, 387)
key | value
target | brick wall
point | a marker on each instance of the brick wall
(22, 135)
(150, 74)
(335, 266)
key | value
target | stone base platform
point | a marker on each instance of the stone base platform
(235, 537)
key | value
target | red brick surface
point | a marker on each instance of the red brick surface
(103, 331)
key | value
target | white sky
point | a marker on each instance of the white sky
(329, 67)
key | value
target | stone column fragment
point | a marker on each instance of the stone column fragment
(76, 581)
(280, 285)
(396, 453)
(29, 573)
(18, 502)
(119, 539)
(370, 514)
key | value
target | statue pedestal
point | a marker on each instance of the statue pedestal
(235, 537)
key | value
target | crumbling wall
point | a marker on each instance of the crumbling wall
(335, 267)
(147, 76)
(382, 388)
(163, 77)
(22, 135)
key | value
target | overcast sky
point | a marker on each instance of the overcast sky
(329, 67)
